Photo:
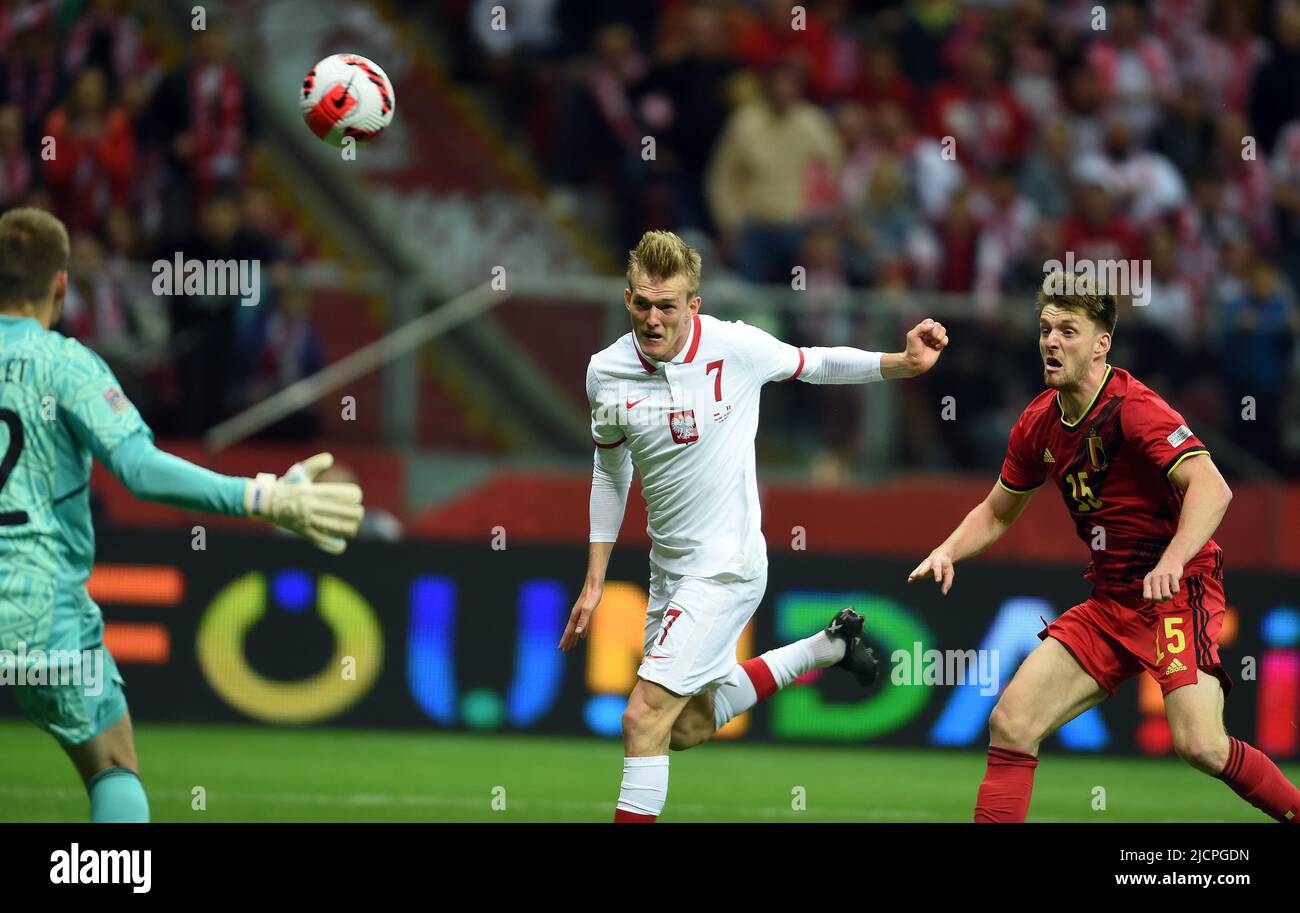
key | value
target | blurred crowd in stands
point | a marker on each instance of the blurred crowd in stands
(144, 149)
(887, 148)
(944, 146)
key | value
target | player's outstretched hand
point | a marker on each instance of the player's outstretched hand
(326, 513)
(1162, 583)
(939, 565)
(924, 343)
(580, 618)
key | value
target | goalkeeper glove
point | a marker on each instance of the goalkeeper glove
(327, 513)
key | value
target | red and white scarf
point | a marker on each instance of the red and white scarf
(1104, 57)
(216, 120)
(125, 43)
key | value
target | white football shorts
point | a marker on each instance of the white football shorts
(692, 626)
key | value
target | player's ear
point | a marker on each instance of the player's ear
(59, 289)
(694, 304)
(1103, 344)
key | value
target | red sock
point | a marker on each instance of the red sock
(1256, 779)
(760, 676)
(622, 817)
(1008, 784)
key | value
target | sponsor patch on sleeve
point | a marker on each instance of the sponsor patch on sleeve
(1181, 433)
(117, 400)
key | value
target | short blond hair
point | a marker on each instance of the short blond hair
(662, 255)
(1081, 294)
(34, 249)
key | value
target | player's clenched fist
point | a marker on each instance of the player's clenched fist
(938, 565)
(924, 343)
(580, 617)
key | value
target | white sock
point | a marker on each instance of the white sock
(793, 660)
(733, 697)
(645, 785)
(737, 693)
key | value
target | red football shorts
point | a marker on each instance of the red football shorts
(1114, 639)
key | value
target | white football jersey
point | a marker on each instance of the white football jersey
(688, 427)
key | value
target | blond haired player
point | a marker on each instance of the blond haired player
(677, 399)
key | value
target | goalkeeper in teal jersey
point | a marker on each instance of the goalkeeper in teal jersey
(60, 405)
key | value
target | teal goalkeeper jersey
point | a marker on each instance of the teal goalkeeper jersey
(60, 405)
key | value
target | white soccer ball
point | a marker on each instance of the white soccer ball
(347, 95)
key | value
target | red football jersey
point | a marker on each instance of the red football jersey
(1112, 467)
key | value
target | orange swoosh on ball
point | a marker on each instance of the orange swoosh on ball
(332, 107)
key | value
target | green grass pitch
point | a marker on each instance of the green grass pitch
(264, 774)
